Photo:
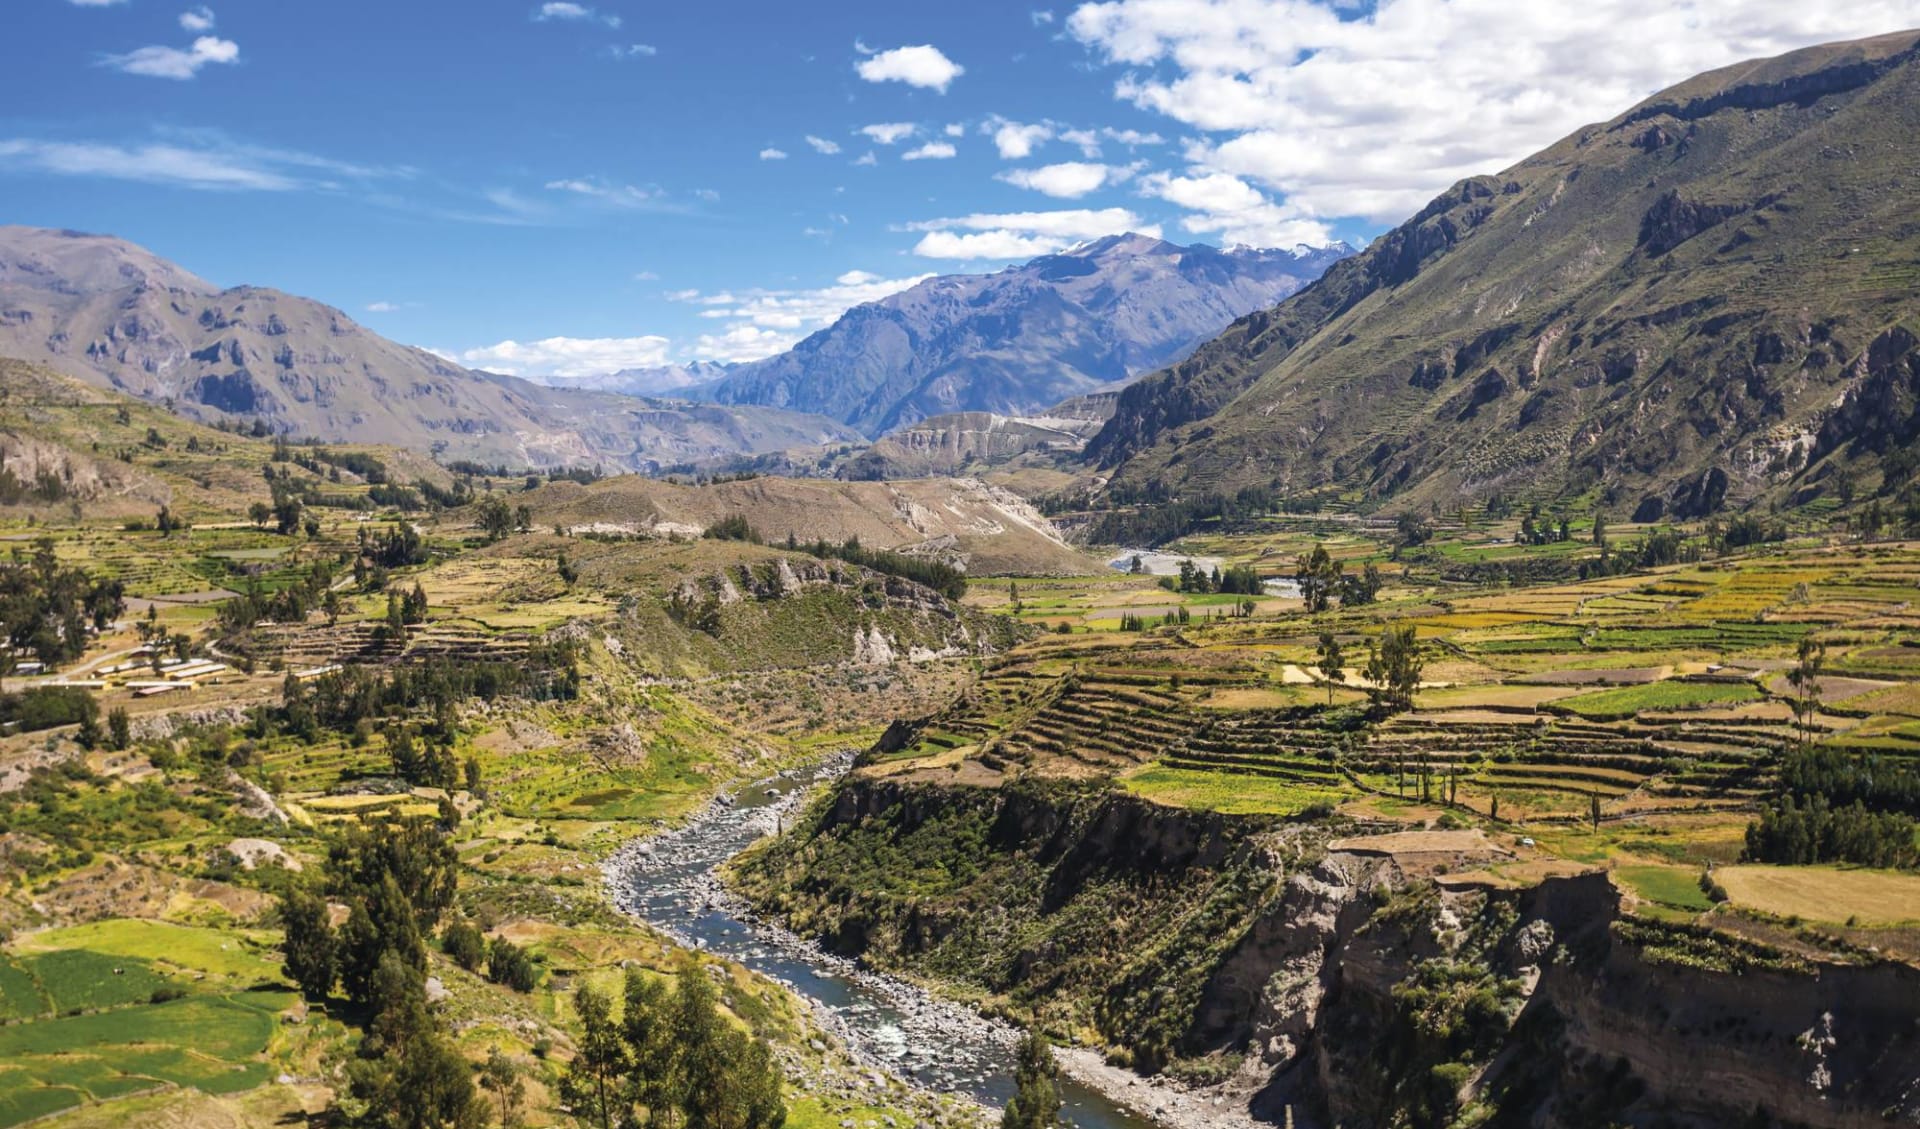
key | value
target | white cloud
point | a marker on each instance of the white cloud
(1131, 138)
(985, 245)
(866, 159)
(645, 276)
(571, 12)
(633, 51)
(568, 356)
(626, 196)
(381, 307)
(772, 154)
(175, 62)
(151, 164)
(1021, 235)
(931, 151)
(706, 194)
(822, 145)
(1235, 212)
(923, 66)
(1372, 114)
(1068, 180)
(890, 133)
(95, 3)
(1041, 17)
(197, 19)
(955, 129)
(765, 322)
(1015, 141)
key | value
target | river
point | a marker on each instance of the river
(669, 881)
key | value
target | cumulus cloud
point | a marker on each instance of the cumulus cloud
(197, 19)
(890, 133)
(175, 62)
(568, 356)
(923, 66)
(772, 154)
(764, 322)
(1371, 115)
(633, 51)
(822, 145)
(931, 151)
(1014, 140)
(1020, 235)
(570, 12)
(1068, 180)
(866, 160)
(1234, 212)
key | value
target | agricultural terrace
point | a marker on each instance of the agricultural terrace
(1637, 721)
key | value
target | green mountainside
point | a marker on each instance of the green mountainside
(1708, 301)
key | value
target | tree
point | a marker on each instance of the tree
(647, 1024)
(1036, 1098)
(592, 1084)
(1319, 575)
(1394, 666)
(495, 517)
(1332, 662)
(501, 1078)
(1805, 679)
(380, 927)
(312, 952)
(409, 1075)
(119, 728)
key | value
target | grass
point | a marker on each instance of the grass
(76, 979)
(1666, 885)
(1229, 793)
(1669, 695)
(223, 953)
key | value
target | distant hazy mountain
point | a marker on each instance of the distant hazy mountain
(1026, 337)
(114, 315)
(653, 380)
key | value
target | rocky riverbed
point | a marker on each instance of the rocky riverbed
(895, 1031)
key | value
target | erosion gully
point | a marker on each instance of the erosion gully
(671, 882)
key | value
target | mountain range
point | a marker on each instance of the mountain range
(1710, 300)
(117, 316)
(1018, 340)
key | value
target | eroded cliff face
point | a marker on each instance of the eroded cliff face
(1330, 985)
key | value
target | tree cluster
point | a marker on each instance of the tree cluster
(397, 879)
(669, 1059)
(49, 610)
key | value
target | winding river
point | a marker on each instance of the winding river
(670, 882)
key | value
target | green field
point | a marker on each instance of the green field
(1670, 695)
(213, 1043)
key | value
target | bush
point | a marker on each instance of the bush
(509, 964)
(464, 942)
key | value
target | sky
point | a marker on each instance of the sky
(565, 188)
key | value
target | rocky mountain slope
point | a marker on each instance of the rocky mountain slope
(117, 316)
(982, 528)
(1024, 338)
(1707, 300)
(952, 443)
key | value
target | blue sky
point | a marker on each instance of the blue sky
(561, 187)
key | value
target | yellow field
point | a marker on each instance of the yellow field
(1819, 893)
